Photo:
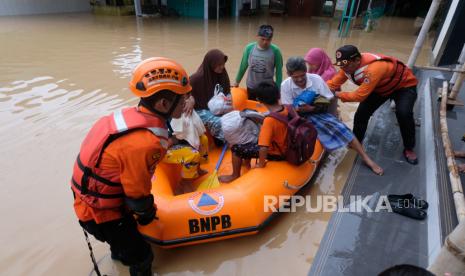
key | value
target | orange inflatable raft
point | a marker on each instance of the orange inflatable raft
(230, 210)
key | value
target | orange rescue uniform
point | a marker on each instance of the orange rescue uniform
(374, 71)
(134, 157)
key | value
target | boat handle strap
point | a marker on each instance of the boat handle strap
(292, 187)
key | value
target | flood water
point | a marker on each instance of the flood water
(60, 73)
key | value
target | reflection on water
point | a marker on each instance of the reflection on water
(60, 73)
(35, 107)
(125, 62)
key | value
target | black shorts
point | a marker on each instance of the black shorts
(251, 150)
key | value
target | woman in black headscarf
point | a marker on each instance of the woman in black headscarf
(211, 72)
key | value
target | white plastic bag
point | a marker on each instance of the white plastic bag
(188, 128)
(239, 129)
(219, 104)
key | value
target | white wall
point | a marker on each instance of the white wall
(205, 9)
(24, 7)
(254, 4)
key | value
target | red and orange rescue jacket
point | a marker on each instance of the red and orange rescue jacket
(377, 73)
(117, 149)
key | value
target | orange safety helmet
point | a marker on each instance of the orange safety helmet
(156, 74)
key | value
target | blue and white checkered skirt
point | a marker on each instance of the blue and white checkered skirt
(332, 133)
(211, 122)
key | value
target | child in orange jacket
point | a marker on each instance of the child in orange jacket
(272, 140)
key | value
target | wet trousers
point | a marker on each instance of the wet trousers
(405, 100)
(126, 243)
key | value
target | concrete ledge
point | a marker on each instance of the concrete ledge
(367, 243)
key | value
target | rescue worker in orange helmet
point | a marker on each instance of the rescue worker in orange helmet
(380, 78)
(112, 174)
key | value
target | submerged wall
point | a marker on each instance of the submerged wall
(191, 8)
(25, 7)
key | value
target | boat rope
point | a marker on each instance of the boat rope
(298, 187)
(454, 249)
(293, 187)
(92, 257)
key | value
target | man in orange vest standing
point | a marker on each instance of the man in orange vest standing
(380, 78)
(112, 174)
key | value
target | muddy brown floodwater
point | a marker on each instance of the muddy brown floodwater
(60, 73)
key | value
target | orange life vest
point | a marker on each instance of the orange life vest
(387, 85)
(99, 188)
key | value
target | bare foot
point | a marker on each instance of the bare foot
(374, 167)
(459, 153)
(178, 190)
(461, 168)
(186, 185)
(187, 189)
(227, 178)
(247, 163)
(201, 172)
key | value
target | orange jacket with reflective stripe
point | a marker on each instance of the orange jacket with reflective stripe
(376, 73)
(99, 190)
